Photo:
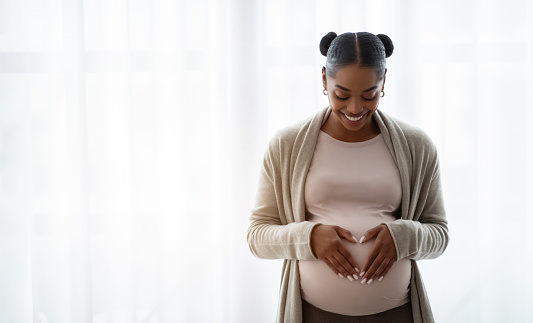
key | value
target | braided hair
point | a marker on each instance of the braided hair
(362, 48)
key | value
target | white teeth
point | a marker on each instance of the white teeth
(352, 119)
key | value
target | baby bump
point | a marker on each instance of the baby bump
(360, 251)
(321, 287)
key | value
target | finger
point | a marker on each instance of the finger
(346, 234)
(338, 263)
(379, 271)
(353, 264)
(332, 267)
(371, 233)
(386, 271)
(369, 276)
(346, 265)
(338, 268)
(369, 261)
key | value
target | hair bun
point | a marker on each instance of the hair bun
(387, 42)
(326, 42)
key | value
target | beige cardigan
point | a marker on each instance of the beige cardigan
(278, 229)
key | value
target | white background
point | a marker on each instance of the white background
(132, 131)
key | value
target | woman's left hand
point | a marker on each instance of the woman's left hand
(382, 255)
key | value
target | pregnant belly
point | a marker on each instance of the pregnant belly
(321, 287)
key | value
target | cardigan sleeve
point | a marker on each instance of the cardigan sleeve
(426, 235)
(271, 235)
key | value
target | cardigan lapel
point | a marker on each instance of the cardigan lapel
(302, 155)
(397, 143)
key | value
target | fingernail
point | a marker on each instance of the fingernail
(370, 281)
(356, 277)
(363, 281)
(355, 239)
(380, 278)
(340, 275)
(362, 239)
(356, 269)
(362, 274)
(350, 278)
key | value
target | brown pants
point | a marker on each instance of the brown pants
(401, 314)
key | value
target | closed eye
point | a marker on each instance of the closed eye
(369, 99)
(338, 97)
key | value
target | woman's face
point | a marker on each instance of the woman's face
(354, 96)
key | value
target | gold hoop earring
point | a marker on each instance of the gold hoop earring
(325, 92)
(382, 94)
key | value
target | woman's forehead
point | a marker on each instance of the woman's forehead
(356, 78)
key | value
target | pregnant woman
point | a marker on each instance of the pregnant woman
(351, 199)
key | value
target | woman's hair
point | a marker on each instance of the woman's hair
(362, 48)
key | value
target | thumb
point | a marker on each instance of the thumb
(371, 233)
(346, 234)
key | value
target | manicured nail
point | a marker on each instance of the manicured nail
(363, 281)
(355, 239)
(362, 239)
(362, 274)
(349, 278)
(370, 281)
(357, 270)
(340, 275)
(380, 278)
(356, 277)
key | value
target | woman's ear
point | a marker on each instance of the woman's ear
(384, 76)
(324, 81)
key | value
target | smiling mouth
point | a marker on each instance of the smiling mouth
(354, 118)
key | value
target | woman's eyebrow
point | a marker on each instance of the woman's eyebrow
(370, 89)
(343, 88)
(348, 90)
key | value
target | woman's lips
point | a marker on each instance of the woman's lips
(354, 120)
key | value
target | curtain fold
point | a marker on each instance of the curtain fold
(132, 132)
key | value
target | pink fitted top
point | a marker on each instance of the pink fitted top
(355, 185)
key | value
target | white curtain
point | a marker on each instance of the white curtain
(132, 132)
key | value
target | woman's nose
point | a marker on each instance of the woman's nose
(355, 107)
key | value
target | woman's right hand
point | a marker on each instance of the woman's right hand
(327, 246)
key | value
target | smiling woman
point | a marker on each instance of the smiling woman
(350, 171)
(355, 70)
(353, 108)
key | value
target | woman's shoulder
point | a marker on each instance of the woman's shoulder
(415, 136)
(288, 135)
(414, 132)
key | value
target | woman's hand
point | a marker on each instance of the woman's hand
(382, 255)
(327, 246)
